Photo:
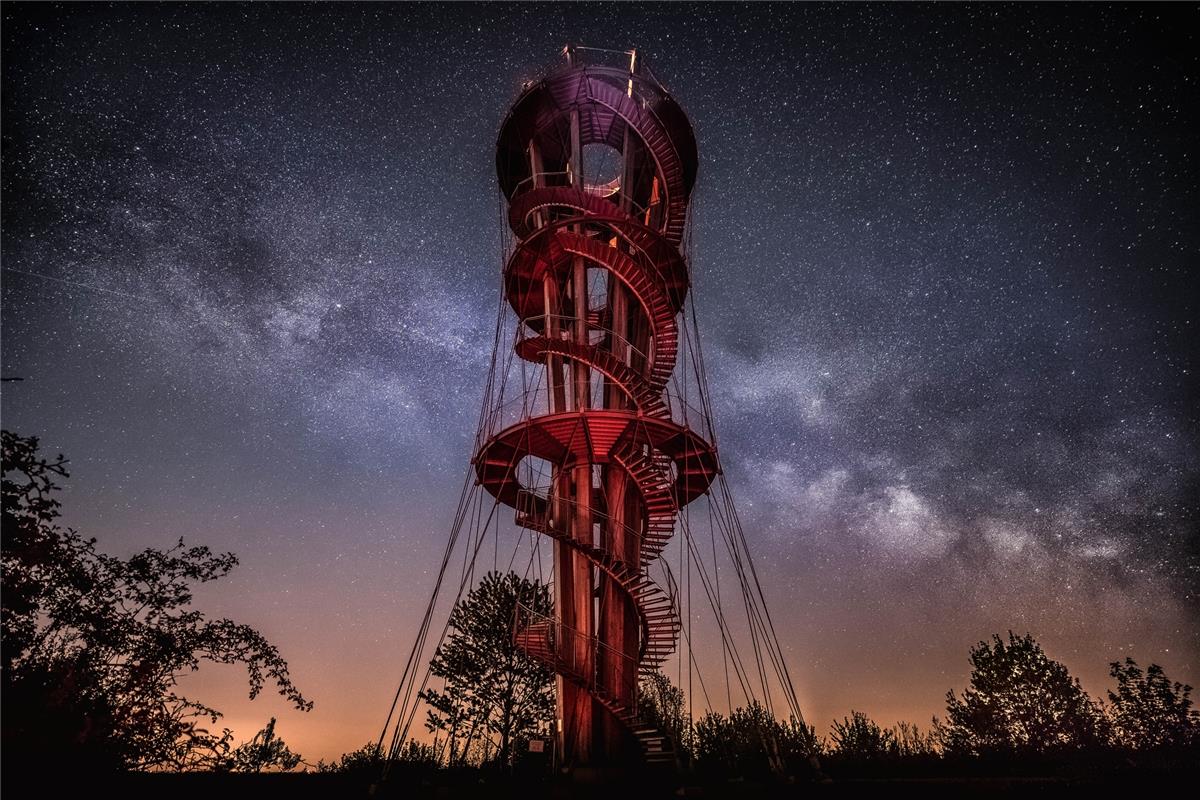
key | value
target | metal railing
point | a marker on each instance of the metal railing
(585, 660)
(566, 178)
(533, 504)
(529, 400)
(597, 335)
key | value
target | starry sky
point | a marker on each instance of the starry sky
(944, 262)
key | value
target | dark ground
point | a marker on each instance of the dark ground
(1131, 784)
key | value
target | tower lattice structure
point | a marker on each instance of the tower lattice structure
(596, 451)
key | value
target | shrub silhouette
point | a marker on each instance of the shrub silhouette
(1148, 711)
(94, 645)
(1020, 702)
(752, 742)
(859, 738)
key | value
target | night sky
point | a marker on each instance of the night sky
(944, 261)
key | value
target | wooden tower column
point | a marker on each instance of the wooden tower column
(575, 603)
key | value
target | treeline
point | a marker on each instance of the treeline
(94, 648)
(1022, 711)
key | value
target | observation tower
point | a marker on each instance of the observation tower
(597, 162)
(595, 440)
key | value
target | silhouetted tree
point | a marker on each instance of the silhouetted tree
(1020, 702)
(910, 741)
(94, 646)
(1148, 711)
(416, 753)
(368, 758)
(860, 738)
(660, 703)
(860, 741)
(751, 741)
(492, 689)
(264, 752)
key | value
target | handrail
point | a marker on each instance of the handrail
(528, 331)
(533, 401)
(574, 653)
(561, 627)
(533, 176)
(597, 516)
(635, 211)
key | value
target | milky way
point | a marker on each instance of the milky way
(945, 264)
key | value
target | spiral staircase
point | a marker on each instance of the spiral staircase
(629, 229)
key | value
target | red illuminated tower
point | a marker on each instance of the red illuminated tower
(597, 431)
(597, 162)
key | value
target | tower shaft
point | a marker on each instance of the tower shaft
(596, 162)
